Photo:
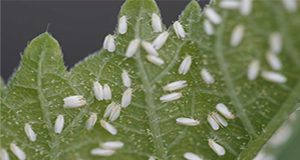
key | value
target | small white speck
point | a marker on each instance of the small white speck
(207, 77)
(212, 122)
(108, 127)
(275, 42)
(115, 112)
(290, 5)
(230, 4)
(246, 7)
(132, 47)
(126, 79)
(213, 16)
(170, 97)
(149, 48)
(273, 61)
(109, 43)
(160, 40)
(175, 85)
(122, 27)
(90, 123)
(187, 121)
(29, 132)
(126, 98)
(4, 155)
(59, 124)
(18, 152)
(185, 65)
(237, 35)
(217, 148)
(102, 152)
(107, 92)
(178, 28)
(253, 70)
(191, 156)
(273, 77)
(219, 119)
(223, 109)
(156, 23)
(74, 101)
(112, 145)
(208, 28)
(98, 91)
(155, 60)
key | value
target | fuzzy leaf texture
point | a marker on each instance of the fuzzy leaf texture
(147, 127)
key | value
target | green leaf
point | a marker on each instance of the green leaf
(147, 126)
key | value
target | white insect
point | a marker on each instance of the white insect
(122, 27)
(237, 35)
(98, 91)
(109, 43)
(213, 16)
(230, 4)
(132, 47)
(59, 124)
(273, 61)
(253, 70)
(187, 121)
(208, 28)
(212, 122)
(175, 85)
(160, 40)
(109, 109)
(108, 127)
(156, 23)
(275, 42)
(273, 77)
(4, 155)
(149, 48)
(90, 123)
(113, 145)
(223, 109)
(155, 60)
(126, 79)
(217, 148)
(102, 152)
(126, 98)
(185, 65)
(245, 7)
(207, 77)
(171, 97)
(191, 156)
(219, 119)
(107, 92)
(29, 132)
(74, 101)
(17, 151)
(178, 28)
(115, 113)
(290, 5)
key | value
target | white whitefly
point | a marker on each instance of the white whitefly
(108, 127)
(187, 121)
(132, 47)
(219, 119)
(191, 156)
(126, 79)
(273, 61)
(109, 43)
(126, 98)
(4, 155)
(102, 152)
(275, 42)
(149, 48)
(213, 16)
(74, 101)
(208, 27)
(109, 109)
(245, 7)
(175, 85)
(155, 60)
(273, 77)
(59, 124)
(122, 27)
(29, 132)
(115, 112)
(223, 109)
(160, 40)
(156, 23)
(237, 35)
(98, 91)
(17, 151)
(212, 122)
(112, 145)
(179, 31)
(91, 121)
(171, 97)
(290, 5)
(107, 92)
(253, 70)
(230, 4)
(185, 65)
(217, 148)
(207, 77)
